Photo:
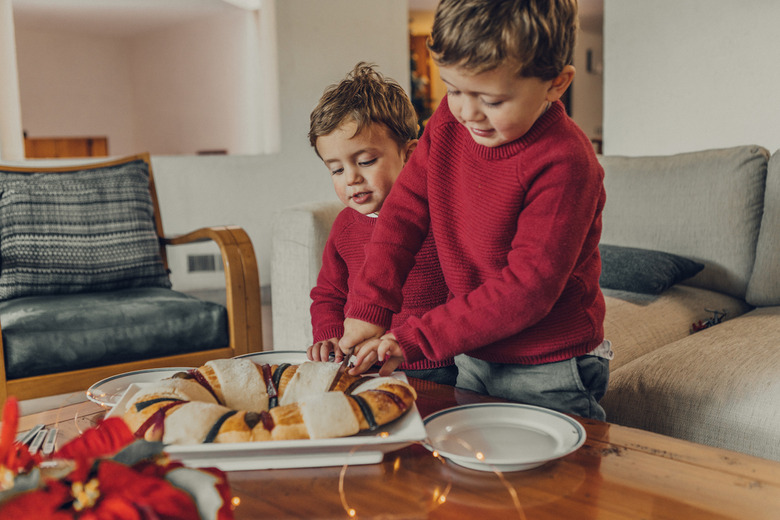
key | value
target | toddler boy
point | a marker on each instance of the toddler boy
(365, 129)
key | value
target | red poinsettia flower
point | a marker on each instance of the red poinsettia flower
(100, 488)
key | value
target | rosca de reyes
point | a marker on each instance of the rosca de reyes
(236, 400)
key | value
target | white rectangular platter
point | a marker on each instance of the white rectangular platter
(363, 448)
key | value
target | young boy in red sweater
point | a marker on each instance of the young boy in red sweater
(364, 129)
(513, 192)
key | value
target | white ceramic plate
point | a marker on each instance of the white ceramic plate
(502, 436)
(363, 448)
(109, 391)
(275, 357)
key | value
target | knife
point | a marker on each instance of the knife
(342, 368)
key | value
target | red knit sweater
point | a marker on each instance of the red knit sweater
(517, 230)
(424, 288)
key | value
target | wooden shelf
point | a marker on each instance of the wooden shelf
(57, 147)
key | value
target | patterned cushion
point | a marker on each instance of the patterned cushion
(78, 231)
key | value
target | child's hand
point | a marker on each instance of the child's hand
(321, 350)
(391, 352)
(356, 332)
(376, 350)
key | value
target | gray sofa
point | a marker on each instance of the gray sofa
(718, 386)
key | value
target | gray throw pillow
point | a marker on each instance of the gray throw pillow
(643, 270)
(78, 231)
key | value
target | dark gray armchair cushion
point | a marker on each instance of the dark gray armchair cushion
(48, 334)
(643, 270)
(81, 231)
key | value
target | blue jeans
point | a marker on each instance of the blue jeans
(445, 375)
(573, 386)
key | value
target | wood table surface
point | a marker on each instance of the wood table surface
(618, 473)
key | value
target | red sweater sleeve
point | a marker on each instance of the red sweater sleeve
(330, 294)
(377, 293)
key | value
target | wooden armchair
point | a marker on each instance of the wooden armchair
(24, 370)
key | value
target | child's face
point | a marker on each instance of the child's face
(364, 166)
(497, 106)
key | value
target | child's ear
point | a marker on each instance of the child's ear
(559, 85)
(409, 148)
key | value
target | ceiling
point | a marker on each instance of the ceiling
(128, 17)
(112, 17)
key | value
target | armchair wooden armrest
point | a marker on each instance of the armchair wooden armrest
(242, 283)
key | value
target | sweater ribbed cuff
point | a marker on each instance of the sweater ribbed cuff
(332, 331)
(409, 344)
(370, 313)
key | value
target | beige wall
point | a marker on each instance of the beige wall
(170, 91)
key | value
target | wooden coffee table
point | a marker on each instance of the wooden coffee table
(618, 473)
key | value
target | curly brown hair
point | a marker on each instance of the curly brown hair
(537, 36)
(366, 97)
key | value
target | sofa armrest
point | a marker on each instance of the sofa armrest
(242, 282)
(299, 236)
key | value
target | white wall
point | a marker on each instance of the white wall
(690, 75)
(84, 79)
(192, 90)
(319, 42)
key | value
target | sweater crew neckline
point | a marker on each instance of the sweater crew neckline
(507, 150)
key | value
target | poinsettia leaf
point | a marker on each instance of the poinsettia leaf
(107, 438)
(144, 492)
(45, 503)
(22, 483)
(205, 489)
(137, 451)
(8, 429)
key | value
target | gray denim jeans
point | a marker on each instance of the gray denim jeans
(573, 386)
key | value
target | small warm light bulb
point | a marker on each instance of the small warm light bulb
(384, 434)
(351, 513)
(235, 502)
(435, 453)
(442, 499)
(480, 455)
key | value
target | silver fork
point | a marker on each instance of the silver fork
(40, 438)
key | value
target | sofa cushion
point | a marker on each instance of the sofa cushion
(640, 323)
(643, 270)
(717, 387)
(764, 286)
(705, 206)
(79, 231)
(48, 334)
(299, 236)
